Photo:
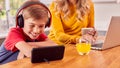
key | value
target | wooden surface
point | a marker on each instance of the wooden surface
(109, 58)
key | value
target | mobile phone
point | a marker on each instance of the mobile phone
(47, 54)
(86, 30)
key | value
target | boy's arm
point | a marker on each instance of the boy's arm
(20, 55)
(26, 47)
(47, 42)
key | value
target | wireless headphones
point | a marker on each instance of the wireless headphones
(20, 19)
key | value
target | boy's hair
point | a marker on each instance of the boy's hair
(33, 9)
(36, 12)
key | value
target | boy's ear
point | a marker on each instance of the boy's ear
(20, 21)
(19, 18)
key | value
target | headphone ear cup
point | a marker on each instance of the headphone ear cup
(48, 23)
(20, 21)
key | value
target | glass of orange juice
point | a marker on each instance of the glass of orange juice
(83, 48)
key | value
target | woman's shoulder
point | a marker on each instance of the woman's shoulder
(90, 2)
(52, 5)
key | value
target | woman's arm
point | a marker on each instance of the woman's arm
(58, 28)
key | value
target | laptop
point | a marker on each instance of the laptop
(46, 54)
(112, 37)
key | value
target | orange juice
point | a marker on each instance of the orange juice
(83, 48)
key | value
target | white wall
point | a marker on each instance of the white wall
(47, 2)
(103, 13)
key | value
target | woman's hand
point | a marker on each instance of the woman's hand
(94, 33)
(89, 37)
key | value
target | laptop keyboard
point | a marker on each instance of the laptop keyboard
(98, 44)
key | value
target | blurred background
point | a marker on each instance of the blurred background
(7, 14)
(104, 10)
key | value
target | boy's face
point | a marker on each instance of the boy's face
(33, 28)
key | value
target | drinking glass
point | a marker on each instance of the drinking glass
(83, 48)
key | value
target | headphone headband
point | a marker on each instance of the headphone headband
(30, 3)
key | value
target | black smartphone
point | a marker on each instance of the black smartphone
(46, 54)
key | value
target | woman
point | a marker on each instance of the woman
(68, 18)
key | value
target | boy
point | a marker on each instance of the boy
(21, 40)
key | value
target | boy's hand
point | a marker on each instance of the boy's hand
(20, 55)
